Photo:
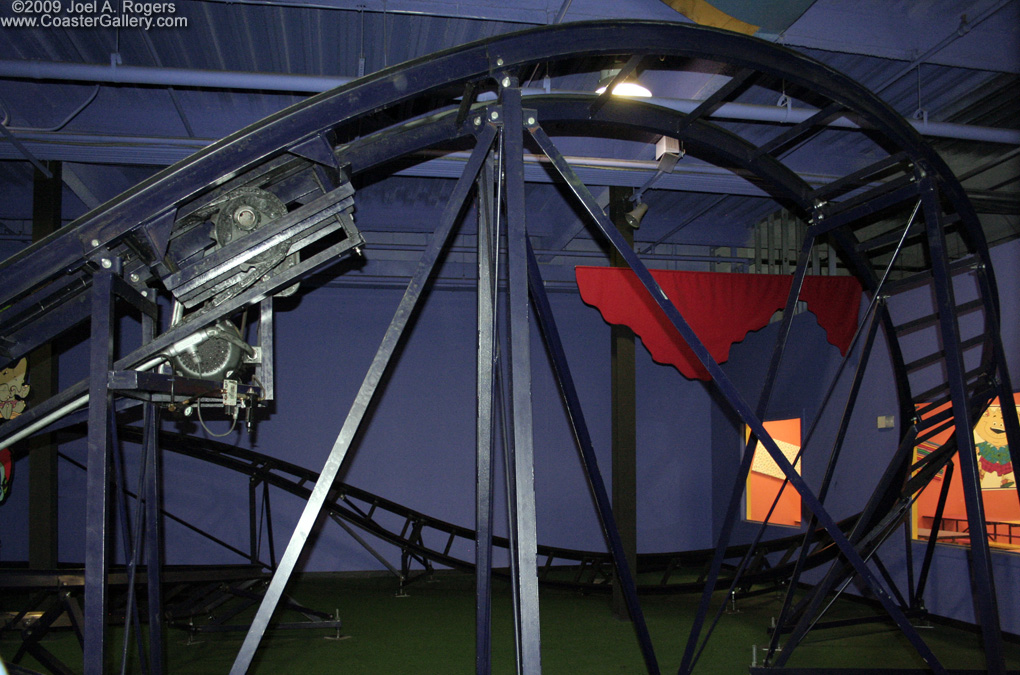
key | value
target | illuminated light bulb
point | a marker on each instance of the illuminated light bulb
(632, 89)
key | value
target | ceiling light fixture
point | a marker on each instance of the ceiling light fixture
(634, 216)
(625, 88)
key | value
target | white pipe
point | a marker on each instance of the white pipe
(43, 422)
(788, 115)
(64, 410)
(307, 84)
(169, 77)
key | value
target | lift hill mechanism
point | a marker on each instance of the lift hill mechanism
(246, 218)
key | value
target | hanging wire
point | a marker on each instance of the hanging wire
(262, 518)
(208, 430)
(920, 113)
(559, 19)
(67, 120)
(361, 42)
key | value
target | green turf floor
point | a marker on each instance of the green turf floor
(432, 631)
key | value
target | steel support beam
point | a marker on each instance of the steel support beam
(986, 605)
(153, 490)
(917, 593)
(734, 398)
(830, 468)
(42, 368)
(97, 485)
(366, 393)
(488, 210)
(740, 481)
(266, 369)
(291, 83)
(522, 500)
(623, 565)
(623, 411)
(225, 164)
(131, 539)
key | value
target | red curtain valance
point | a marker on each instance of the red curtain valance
(721, 308)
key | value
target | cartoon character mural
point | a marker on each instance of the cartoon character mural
(13, 391)
(6, 473)
(994, 462)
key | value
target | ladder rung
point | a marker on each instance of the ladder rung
(728, 91)
(888, 239)
(876, 192)
(921, 278)
(942, 390)
(892, 237)
(932, 319)
(859, 178)
(938, 356)
(864, 208)
(937, 429)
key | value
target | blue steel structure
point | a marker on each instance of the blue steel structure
(155, 239)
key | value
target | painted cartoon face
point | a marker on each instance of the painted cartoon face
(12, 381)
(990, 427)
(13, 389)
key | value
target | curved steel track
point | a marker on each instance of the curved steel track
(430, 540)
(313, 156)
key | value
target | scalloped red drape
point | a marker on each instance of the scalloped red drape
(722, 308)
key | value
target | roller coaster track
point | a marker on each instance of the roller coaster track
(314, 156)
(433, 541)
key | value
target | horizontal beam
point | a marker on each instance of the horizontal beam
(310, 84)
(168, 77)
(535, 12)
(155, 151)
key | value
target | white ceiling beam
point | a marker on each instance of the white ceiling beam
(77, 72)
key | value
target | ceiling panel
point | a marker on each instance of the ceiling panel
(967, 76)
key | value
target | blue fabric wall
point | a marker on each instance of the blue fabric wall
(417, 448)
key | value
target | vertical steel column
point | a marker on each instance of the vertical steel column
(529, 638)
(623, 386)
(253, 520)
(154, 535)
(908, 546)
(267, 509)
(97, 486)
(362, 401)
(981, 561)
(143, 533)
(266, 338)
(42, 368)
(757, 249)
(547, 323)
(131, 541)
(510, 480)
(487, 253)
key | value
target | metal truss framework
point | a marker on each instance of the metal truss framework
(310, 157)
